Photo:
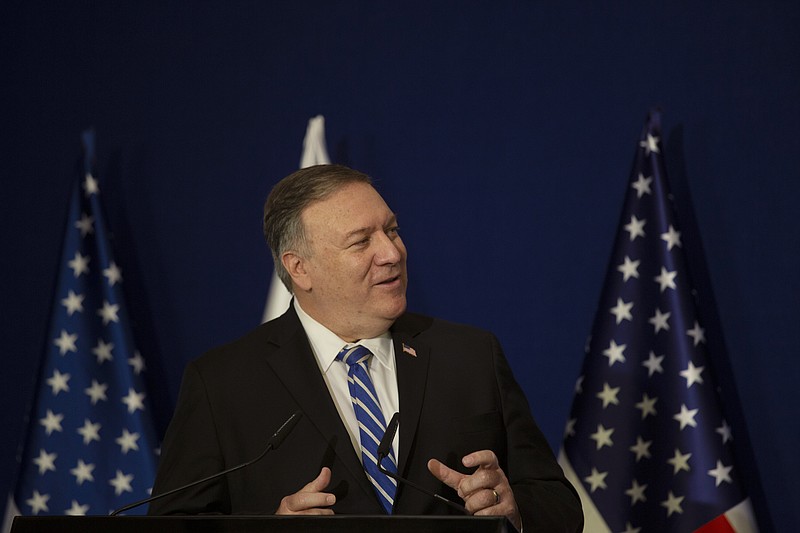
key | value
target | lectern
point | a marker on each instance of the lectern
(259, 524)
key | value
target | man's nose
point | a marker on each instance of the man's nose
(388, 249)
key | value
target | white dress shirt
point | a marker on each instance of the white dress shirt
(381, 366)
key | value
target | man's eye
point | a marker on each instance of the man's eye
(392, 231)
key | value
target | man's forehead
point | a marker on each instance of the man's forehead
(351, 208)
(357, 229)
(349, 198)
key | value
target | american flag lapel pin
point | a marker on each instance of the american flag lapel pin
(409, 350)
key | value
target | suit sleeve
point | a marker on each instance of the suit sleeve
(547, 502)
(190, 452)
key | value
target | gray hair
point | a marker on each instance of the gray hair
(283, 226)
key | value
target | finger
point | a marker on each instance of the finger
(445, 474)
(481, 500)
(320, 482)
(481, 458)
(487, 476)
(306, 503)
(479, 481)
(310, 499)
(507, 507)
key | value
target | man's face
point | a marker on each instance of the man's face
(353, 278)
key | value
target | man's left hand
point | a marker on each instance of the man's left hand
(486, 491)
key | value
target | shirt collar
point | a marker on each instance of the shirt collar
(326, 344)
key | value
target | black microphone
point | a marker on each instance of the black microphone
(274, 441)
(383, 451)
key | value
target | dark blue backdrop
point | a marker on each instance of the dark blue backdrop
(501, 132)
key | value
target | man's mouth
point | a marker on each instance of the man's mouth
(388, 280)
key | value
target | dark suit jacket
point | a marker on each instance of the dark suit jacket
(457, 395)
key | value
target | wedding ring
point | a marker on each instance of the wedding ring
(496, 497)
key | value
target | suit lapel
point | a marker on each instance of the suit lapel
(293, 362)
(412, 358)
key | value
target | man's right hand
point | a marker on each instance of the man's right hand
(310, 499)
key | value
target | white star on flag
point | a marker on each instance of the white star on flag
(636, 492)
(85, 225)
(90, 186)
(134, 400)
(137, 362)
(89, 431)
(58, 382)
(45, 461)
(66, 342)
(650, 145)
(647, 423)
(602, 436)
(121, 483)
(73, 302)
(597, 480)
(686, 417)
(79, 265)
(660, 320)
(725, 431)
(680, 461)
(38, 502)
(666, 280)
(673, 504)
(108, 312)
(697, 333)
(641, 448)
(52, 422)
(97, 391)
(642, 185)
(127, 441)
(672, 238)
(103, 351)
(629, 269)
(608, 395)
(692, 374)
(82, 472)
(647, 406)
(77, 509)
(630, 529)
(113, 274)
(635, 227)
(622, 311)
(721, 474)
(82, 452)
(614, 353)
(653, 364)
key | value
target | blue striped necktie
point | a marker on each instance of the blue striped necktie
(371, 423)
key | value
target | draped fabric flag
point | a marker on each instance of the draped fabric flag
(647, 443)
(91, 444)
(314, 153)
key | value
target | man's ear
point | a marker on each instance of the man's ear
(295, 265)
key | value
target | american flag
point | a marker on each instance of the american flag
(647, 443)
(91, 444)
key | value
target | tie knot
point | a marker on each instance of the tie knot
(354, 355)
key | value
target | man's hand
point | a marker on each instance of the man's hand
(310, 499)
(486, 491)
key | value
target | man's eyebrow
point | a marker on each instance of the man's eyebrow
(356, 232)
(391, 221)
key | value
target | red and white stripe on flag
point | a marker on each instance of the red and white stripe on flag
(739, 519)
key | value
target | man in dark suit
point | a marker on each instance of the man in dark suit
(465, 430)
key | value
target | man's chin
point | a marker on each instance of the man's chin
(395, 309)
